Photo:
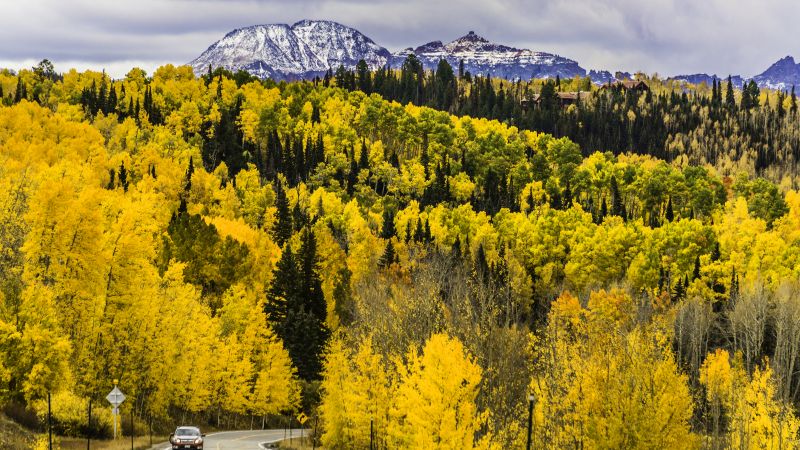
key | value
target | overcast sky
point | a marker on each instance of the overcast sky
(665, 36)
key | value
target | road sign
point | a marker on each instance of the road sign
(115, 397)
(302, 418)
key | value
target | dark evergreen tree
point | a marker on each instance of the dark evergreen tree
(419, 232)
(388, 229)
(296, 307)
(363, 77)
(669, 215)
(679, 292)
(730, 101)
(715, 255)
(363, 157)
(299, 217)
(282, 230)
(389, 256)
(123, 177)
(344, 305)
(21, 93)
(187, 183)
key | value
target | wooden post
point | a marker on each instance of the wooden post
(49, 424)
(89, 427)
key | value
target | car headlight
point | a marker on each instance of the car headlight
(198, 441)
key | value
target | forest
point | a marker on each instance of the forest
(406, 271)
(736, 130)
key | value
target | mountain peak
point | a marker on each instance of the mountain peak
(471, 37)
(308, 22)
(279, 51)
(782, 75)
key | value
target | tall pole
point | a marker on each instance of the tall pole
(314, 439)
(89, 427)
(131, 427)
(49, 424)
(115, 411)
(531, 399)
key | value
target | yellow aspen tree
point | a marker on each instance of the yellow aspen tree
(605, 382)
(42, 349)
(275, 387)
(337, 389)
(758, 419)
(434, 405)
(371, 402)
(717, 377)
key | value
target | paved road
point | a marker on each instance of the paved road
(241, 440)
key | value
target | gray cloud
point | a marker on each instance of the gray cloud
(664, 36)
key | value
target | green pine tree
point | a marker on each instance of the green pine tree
(730, 101)
(282, 230)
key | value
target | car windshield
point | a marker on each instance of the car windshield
(187, 432)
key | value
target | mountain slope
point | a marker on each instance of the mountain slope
(310, 47)
(482, 57)
(782, 75)
(336, 44)
(279, 51)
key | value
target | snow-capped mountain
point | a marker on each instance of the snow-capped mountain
(303, 50)
(310, 47)
(336, 44)
(782, 75)
(482, 57)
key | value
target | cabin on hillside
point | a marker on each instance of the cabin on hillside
(571, 98)
(565, 98)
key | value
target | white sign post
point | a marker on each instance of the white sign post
(115, 397)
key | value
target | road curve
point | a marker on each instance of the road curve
(242, 440)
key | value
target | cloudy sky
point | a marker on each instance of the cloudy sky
(664, 36)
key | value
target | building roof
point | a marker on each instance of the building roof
(573, 95)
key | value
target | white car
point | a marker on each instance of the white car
(187, 438)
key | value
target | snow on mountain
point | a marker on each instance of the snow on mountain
(279, 51)
(782, 75)
(310, 47)
(337, 44)
(482, 57)
(605, 77)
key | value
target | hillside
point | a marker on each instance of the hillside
(229, 248)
